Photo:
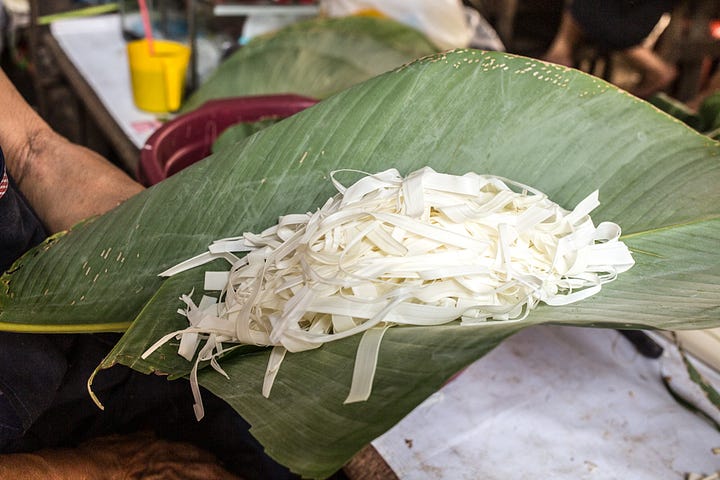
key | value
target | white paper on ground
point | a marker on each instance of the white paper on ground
(553, 402)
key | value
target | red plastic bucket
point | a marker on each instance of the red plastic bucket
(188, 138)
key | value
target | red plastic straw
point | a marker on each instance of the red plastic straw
(145, 14)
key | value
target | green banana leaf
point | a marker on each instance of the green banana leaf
(708, 390)
(705, 120)
(315, 58)
(709, 113)
(240, 131)
(554, 128)
(677, 109)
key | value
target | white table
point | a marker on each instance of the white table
(97, 49)
(91, 53)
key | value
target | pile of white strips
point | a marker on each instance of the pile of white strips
(427, 249)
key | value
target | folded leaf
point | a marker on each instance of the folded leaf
(315, 58)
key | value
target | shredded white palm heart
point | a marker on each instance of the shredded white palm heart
(422, 250)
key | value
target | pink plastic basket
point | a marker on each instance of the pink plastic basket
(188, 138)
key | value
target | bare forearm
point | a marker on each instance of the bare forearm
(64, 182)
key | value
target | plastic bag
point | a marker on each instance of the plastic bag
(443, 21)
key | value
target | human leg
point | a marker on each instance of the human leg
(562, 47)
(656, 73)
(712, 86)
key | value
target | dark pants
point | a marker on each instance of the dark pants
(45, 403)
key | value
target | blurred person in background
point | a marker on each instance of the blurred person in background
(616, 26)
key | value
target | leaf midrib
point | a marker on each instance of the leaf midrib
(642, 233)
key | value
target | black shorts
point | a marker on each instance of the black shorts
(618, 24)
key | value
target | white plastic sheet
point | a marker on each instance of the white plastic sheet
(443, 21)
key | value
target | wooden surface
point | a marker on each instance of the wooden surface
(367, 464)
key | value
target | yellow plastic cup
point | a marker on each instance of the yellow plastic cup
(158, 80)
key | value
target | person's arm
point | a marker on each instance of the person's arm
(713, 85)
(64, 182)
